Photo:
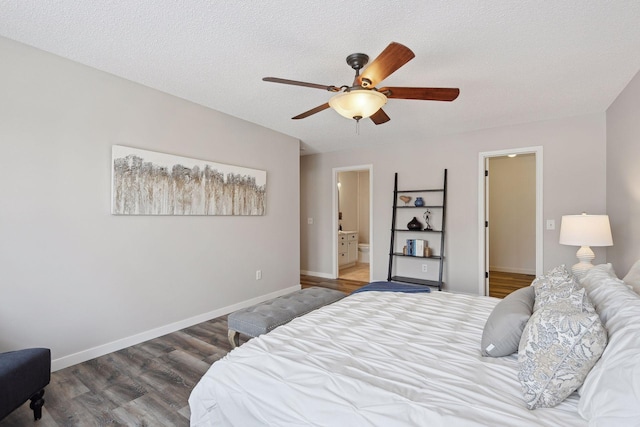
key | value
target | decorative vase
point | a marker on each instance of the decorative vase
(419, 201)
(405, 199)
(414, 224)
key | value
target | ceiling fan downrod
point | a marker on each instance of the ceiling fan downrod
(357, 61)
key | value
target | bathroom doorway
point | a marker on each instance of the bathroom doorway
(352, 223)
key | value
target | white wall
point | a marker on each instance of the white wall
(363, 206)
(574, 181)
(83, 282)
(512, 214)
(348, 194)
(623, 177)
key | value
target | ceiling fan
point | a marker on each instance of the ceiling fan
(362, 99)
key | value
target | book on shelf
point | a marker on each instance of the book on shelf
(410, 247)
(417, 247)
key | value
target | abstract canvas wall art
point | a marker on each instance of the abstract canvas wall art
(150, 183)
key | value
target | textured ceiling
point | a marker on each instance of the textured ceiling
(514, 61)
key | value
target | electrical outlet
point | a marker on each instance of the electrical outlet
(424, 268)
(310, 221)
(258, 274)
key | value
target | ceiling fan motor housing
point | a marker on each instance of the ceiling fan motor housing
(357, 60)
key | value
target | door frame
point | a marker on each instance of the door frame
(334, 214)
(483, 158)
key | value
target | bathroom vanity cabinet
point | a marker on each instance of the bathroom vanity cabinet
(347, 248)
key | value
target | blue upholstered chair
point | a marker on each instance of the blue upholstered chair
(23, 376)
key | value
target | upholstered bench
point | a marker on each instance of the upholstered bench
(261, 318)
(23, 376)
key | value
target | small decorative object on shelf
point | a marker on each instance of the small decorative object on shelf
(427, 220)
(405, 199)
(419, 202)
(414, 224)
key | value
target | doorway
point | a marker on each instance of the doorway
(352, 216)
(510, 213)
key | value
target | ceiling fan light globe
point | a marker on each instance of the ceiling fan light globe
(357, 103)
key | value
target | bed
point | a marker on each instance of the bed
(384, 359)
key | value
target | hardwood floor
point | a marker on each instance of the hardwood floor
(148, 384)
(344, 285)
(502, 284)
(144, 385)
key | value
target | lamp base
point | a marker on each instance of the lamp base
(585, 255)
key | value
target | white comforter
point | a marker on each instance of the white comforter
(373, 359)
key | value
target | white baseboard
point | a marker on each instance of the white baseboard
(317, 274)
(101, 350)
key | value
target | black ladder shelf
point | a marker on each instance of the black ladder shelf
(394, 253)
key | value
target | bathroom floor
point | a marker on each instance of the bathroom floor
(358, 272)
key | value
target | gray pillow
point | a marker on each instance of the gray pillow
(502, 332)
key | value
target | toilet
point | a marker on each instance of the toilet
(363, 253)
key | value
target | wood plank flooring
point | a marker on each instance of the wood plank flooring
(502, 284)
(148, 384)
(144, 385)
(344, 285)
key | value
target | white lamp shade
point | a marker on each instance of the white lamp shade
(358, 104)
(585, 230)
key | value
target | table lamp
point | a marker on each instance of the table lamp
(585, 231)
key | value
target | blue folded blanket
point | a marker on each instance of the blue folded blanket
(393, 287)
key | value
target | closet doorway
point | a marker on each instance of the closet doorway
(510, 213)
(352, 219)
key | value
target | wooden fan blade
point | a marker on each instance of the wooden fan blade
(379, 117)
(392, 57)
(297, 83)
(312, 111)
(424, 93)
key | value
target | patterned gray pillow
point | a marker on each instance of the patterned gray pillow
(556, 352)
(502, 332)
(562, 301)
(554, 277)
(555, 283)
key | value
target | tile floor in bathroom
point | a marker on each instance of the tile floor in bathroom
(358, 272)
